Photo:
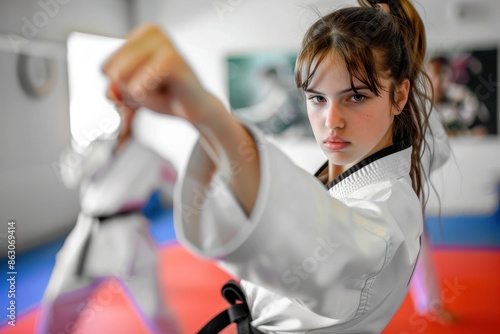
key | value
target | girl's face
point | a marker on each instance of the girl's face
(349, 126)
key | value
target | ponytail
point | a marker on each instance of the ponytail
(413, 31)
(412, 26)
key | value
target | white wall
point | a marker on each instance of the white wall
(207, 31)
(33, 132)
(107, 17)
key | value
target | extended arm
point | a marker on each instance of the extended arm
(149, 72)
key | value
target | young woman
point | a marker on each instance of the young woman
(331, 253)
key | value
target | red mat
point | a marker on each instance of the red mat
(469, 280)
(470, 284)
(195, 294)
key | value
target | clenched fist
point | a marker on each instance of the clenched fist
(147, 71)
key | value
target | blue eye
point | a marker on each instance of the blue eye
(357, 98)
(317, 99)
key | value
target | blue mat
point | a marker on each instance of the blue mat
(465, 231)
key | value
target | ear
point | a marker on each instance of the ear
(401, 95)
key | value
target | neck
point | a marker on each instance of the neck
(334, 171)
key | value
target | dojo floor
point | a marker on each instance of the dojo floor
(466, 251)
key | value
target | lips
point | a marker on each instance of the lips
(334, 143)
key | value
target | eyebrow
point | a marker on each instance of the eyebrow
(350, 89)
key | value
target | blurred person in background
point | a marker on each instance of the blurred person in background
(282, 109)
(118, 179)
(462, 113)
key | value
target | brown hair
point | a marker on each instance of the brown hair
(374, 43)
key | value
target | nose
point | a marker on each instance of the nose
(334, 117)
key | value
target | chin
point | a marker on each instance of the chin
(337, 160)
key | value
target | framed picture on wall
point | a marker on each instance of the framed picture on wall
(262, 91)
(466, 90)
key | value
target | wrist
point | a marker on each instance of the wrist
(222, 134)
(216, 118)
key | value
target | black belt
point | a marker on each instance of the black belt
(238, 312)
(102, 220)
(105, 218)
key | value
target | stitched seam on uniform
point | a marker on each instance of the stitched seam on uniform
(369, 170)
(365, 296)
(367, 289)
(388, 253)
(396, 147)
(393, 166)
(371, 281)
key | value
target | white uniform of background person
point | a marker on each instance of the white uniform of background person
(115, 186)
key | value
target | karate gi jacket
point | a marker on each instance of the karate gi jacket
(111, 237)
(313, 259)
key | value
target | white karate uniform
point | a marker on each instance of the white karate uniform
(111, 237)
(311, 260)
